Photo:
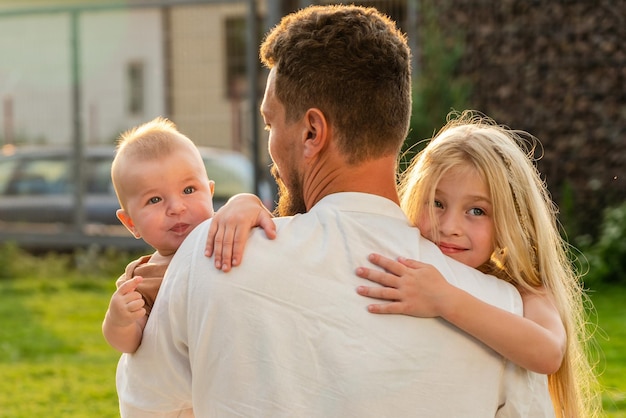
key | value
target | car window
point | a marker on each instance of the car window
(39, 177)
(231, 176)
(98, 176)
(6, 169)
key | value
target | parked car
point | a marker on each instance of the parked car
(37, 192)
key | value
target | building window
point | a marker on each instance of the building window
(236, 77)
(235, 56)
(136, 88)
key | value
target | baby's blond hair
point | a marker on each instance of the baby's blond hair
(146, 142)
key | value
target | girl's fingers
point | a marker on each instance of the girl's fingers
(392, 266)
(385, 308)
(385, 293)
(377, 276)
(409, 262)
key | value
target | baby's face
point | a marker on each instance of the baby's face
(167, 198)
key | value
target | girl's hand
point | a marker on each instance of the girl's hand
(414, 288)
(126, 304)
(231, 227)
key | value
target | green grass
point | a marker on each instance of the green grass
(610, 304)
(55, 363)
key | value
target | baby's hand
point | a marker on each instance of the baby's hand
(231, 227)
(414, 288)
(126, 304)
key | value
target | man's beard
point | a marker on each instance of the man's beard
(290, 202)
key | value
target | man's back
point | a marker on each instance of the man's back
(285, 333)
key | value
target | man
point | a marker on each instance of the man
(284, 334)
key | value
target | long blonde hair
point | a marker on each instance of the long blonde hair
(529, 250)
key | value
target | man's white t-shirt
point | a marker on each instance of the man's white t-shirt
(286, 335)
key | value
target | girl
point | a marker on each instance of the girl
(476, 194)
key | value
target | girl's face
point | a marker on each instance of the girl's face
(463, 227)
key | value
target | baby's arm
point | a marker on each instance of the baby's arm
(536, 341)
(231, 226)
(126, 317)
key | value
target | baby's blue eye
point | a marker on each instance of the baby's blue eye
(189, 190)
(154, 200)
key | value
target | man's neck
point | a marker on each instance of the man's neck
(377, 177)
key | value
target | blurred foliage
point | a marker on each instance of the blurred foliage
(17, 263)
(606, 255)
(85, 263)
(437, 87)
(556, 70)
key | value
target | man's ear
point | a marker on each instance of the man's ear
(316, 136)
(126, 220)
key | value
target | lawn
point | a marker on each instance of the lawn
(610, 304)
(55, 362)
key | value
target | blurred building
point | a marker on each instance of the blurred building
(128, 62)
(85, 70)
(131, 64)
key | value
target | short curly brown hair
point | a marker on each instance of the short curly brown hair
(352, 63)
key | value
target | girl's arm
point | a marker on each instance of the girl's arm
(126, 318)
(231, 226)
(535, 341)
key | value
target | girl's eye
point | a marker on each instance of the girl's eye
(438, 204)
(476, 211)
(154, 200)
(189, 190)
